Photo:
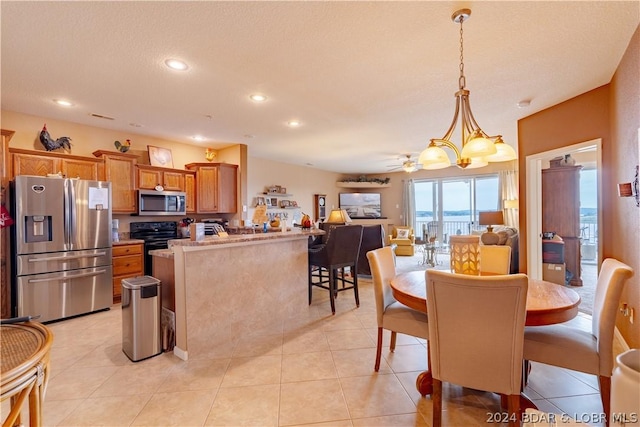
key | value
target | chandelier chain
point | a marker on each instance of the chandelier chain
(461, 81)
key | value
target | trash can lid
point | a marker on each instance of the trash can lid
(140, 282)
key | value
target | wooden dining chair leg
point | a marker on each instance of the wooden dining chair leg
(392, 344)
(604, 384)
(513, 409)
(436, 397)
(378, 350)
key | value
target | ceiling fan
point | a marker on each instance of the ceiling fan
(408, 165)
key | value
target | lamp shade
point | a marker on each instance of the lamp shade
(434, 158)
(338, 216)
(491, 218)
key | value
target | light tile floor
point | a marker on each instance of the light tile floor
(319, 375)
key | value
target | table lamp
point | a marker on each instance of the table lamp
(490, 218)
(338, 216)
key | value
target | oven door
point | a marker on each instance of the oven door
(148, 259)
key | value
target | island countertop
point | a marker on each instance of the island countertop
(246, 238)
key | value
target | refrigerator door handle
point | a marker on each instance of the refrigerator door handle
(71, 206)
(64, 258)
(75, 276)
(67, 220)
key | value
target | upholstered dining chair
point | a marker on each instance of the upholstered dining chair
(465, 254)
(340, 251)
(585, 351)
(391, 314)
(476, 333)
(495, 259)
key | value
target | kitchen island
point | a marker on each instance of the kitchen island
(226, 288)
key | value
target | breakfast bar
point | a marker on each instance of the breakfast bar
(226, 288)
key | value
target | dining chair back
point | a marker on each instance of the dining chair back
(571, 347)
(495, 259)
(464, 254)
(390, 314)
(476, 332)
(338, 253)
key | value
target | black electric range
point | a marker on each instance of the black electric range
(155, 235)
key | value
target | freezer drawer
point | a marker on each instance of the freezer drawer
(58, 295)
(62, 261)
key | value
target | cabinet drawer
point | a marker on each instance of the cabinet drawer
(122, 250)
(127, 265)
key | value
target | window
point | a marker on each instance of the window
(455, 203)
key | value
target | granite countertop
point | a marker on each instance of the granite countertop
(127, 242)
(246, 238)
(162, 253)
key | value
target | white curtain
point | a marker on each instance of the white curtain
(509, 193)
(409, 203)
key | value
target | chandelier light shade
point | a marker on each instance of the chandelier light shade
(477, 148)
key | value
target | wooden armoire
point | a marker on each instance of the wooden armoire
(561, 213)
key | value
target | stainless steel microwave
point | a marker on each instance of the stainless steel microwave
(152, 202)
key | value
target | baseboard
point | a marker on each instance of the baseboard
(619, 340)
(180, 353)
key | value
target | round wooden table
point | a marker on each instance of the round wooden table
(547, 303)
(24, 368)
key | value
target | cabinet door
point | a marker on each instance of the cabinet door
(83, 169)
(173, 181)
(190, 189)
(227, 188)
(207, 189)
(122, 175)
(29, 164)
(148, 179)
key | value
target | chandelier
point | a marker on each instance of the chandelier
(478, 148)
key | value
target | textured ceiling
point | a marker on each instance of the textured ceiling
(370, 81)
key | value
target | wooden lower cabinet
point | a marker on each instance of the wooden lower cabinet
(128, 261)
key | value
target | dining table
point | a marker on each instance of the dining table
(547, 303)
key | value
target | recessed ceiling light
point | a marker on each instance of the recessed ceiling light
(176, 64)
(293, 123)
(136, 125)
(248, 135)
(63, 102)
(198, 138)
(524, 103)
(258, 97)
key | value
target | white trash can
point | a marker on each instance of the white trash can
(625, 390)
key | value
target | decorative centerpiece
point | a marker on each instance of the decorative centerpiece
(123, 147)
(210, 154)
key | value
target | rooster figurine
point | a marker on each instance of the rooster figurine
(50, 144)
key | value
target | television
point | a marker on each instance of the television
(361, 205)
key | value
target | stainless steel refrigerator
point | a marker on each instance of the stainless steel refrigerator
(62, 247)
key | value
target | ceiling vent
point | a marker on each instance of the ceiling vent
(100, 116)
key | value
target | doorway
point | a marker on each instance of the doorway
(589, 155)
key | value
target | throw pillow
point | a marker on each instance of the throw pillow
(403, 233)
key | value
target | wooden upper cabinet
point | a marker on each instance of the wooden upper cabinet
(151, 176)
(190, 189)
(83, 169)
(216, 187)
(173, 180)
(32, 162)
(148, 177)
(119, 169)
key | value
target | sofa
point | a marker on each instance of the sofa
(403, 237)
(509, 237)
